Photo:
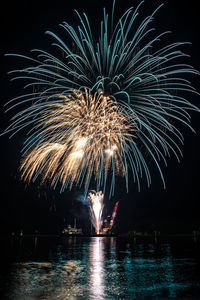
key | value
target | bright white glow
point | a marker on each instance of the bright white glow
(97, 211)
(105, 97)
(77, 154)
(81, 143)
(114, 147)
(96, 200)
(110, 151)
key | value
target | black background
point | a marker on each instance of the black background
(176, 209)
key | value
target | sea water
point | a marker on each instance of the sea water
(98, 268)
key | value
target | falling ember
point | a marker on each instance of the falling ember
(96, 200)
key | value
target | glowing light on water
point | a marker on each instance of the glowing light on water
(96, 200)
(97, 285)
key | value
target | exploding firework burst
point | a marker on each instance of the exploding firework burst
(80, 136)
(85, 107)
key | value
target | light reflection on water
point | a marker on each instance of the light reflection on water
(96, 277)
(101, 268)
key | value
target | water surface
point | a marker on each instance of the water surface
(99, 268)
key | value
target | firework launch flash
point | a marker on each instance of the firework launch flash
(96, 201)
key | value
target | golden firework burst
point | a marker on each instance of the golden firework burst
(81, 135)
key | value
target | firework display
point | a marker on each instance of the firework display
(104, 107)
(96, 201)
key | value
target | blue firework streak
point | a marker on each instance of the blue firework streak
(121, 64)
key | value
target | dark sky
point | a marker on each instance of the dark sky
(23, 24)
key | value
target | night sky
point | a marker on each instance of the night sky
(31, 208)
